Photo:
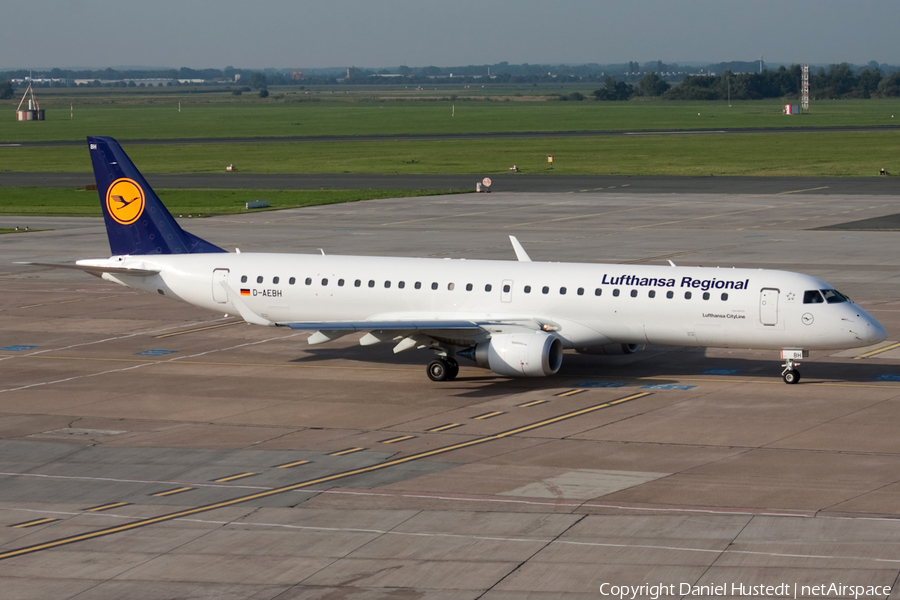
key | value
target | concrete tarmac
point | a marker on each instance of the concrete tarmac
(183, 454)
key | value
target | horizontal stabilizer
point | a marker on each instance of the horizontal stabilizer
(95, 269)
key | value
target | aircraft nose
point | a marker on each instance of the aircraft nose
(875, 331)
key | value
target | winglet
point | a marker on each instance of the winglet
(520, 251)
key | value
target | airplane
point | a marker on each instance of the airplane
(515, 318)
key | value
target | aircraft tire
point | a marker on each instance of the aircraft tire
(791, 377)
(454, 369)
(438, 370)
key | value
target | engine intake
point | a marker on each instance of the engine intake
(535, 354)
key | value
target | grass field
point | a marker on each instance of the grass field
(81, 203)
(155, 117)
(845, 154)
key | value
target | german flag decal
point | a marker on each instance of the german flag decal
(245, 292)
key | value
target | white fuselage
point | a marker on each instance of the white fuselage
(636, 304)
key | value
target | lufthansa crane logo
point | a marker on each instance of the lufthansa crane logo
(125, 201)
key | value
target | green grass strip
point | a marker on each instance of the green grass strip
(835, 154)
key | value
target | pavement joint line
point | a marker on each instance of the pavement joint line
(311, 482)
(533, 403)
(877, 351)
(444, 427)
(171, 492)
(112, 339)
(402, 438)
(296, 463)
(346, 451)
(34, 523)
(106, 506)
(488, 415)
(144, 363)
(233, 477)
(824, 187)
(165, 335)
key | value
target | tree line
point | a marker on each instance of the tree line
(837, 82)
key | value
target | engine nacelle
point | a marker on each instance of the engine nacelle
(610, 349)
(535, 354)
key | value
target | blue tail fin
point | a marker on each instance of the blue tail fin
(137, 222)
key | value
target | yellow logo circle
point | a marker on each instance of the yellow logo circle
(125, 201)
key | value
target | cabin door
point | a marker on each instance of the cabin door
(768, 306)
(220, 276)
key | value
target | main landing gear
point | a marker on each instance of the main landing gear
(443, 369)
(790, 374)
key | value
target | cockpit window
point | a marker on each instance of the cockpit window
(834, 296)
(812, 297)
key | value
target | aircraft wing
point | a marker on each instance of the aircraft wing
(411, 325)
(97, 270)
(409, 332)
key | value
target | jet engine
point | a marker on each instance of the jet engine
(534, 354)
(610, 349)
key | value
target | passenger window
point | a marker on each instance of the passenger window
(468, 287)
(371, 283)
(562, 291)
(687, 295)
(488, 287)
(357, 283)
(706, 295)
(401, 284)
(581, 291)
(259, 279)
(308, 281)
(598, 291)
(527, 289)
(387, 284)
(451, 286)
(812, 297)
(292, 280)
(545, 290)
(634, 293)
(506, 289)
(243, 279)
(276, 279)
(724, 297)
(652, 293)
(615, 292)
(434, 285)
(340, 283)
(324, 282)
(834, 296)
(670, 294)
(418, 285)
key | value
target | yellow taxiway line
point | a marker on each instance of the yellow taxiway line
(303, 484)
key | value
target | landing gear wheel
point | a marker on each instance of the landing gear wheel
(791, 376)
(439, 370)
(454, 369)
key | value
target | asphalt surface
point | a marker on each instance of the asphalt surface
(504, 182)
(454, 136)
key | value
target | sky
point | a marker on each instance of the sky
(387, 33)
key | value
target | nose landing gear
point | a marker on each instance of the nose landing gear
(790, 374)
